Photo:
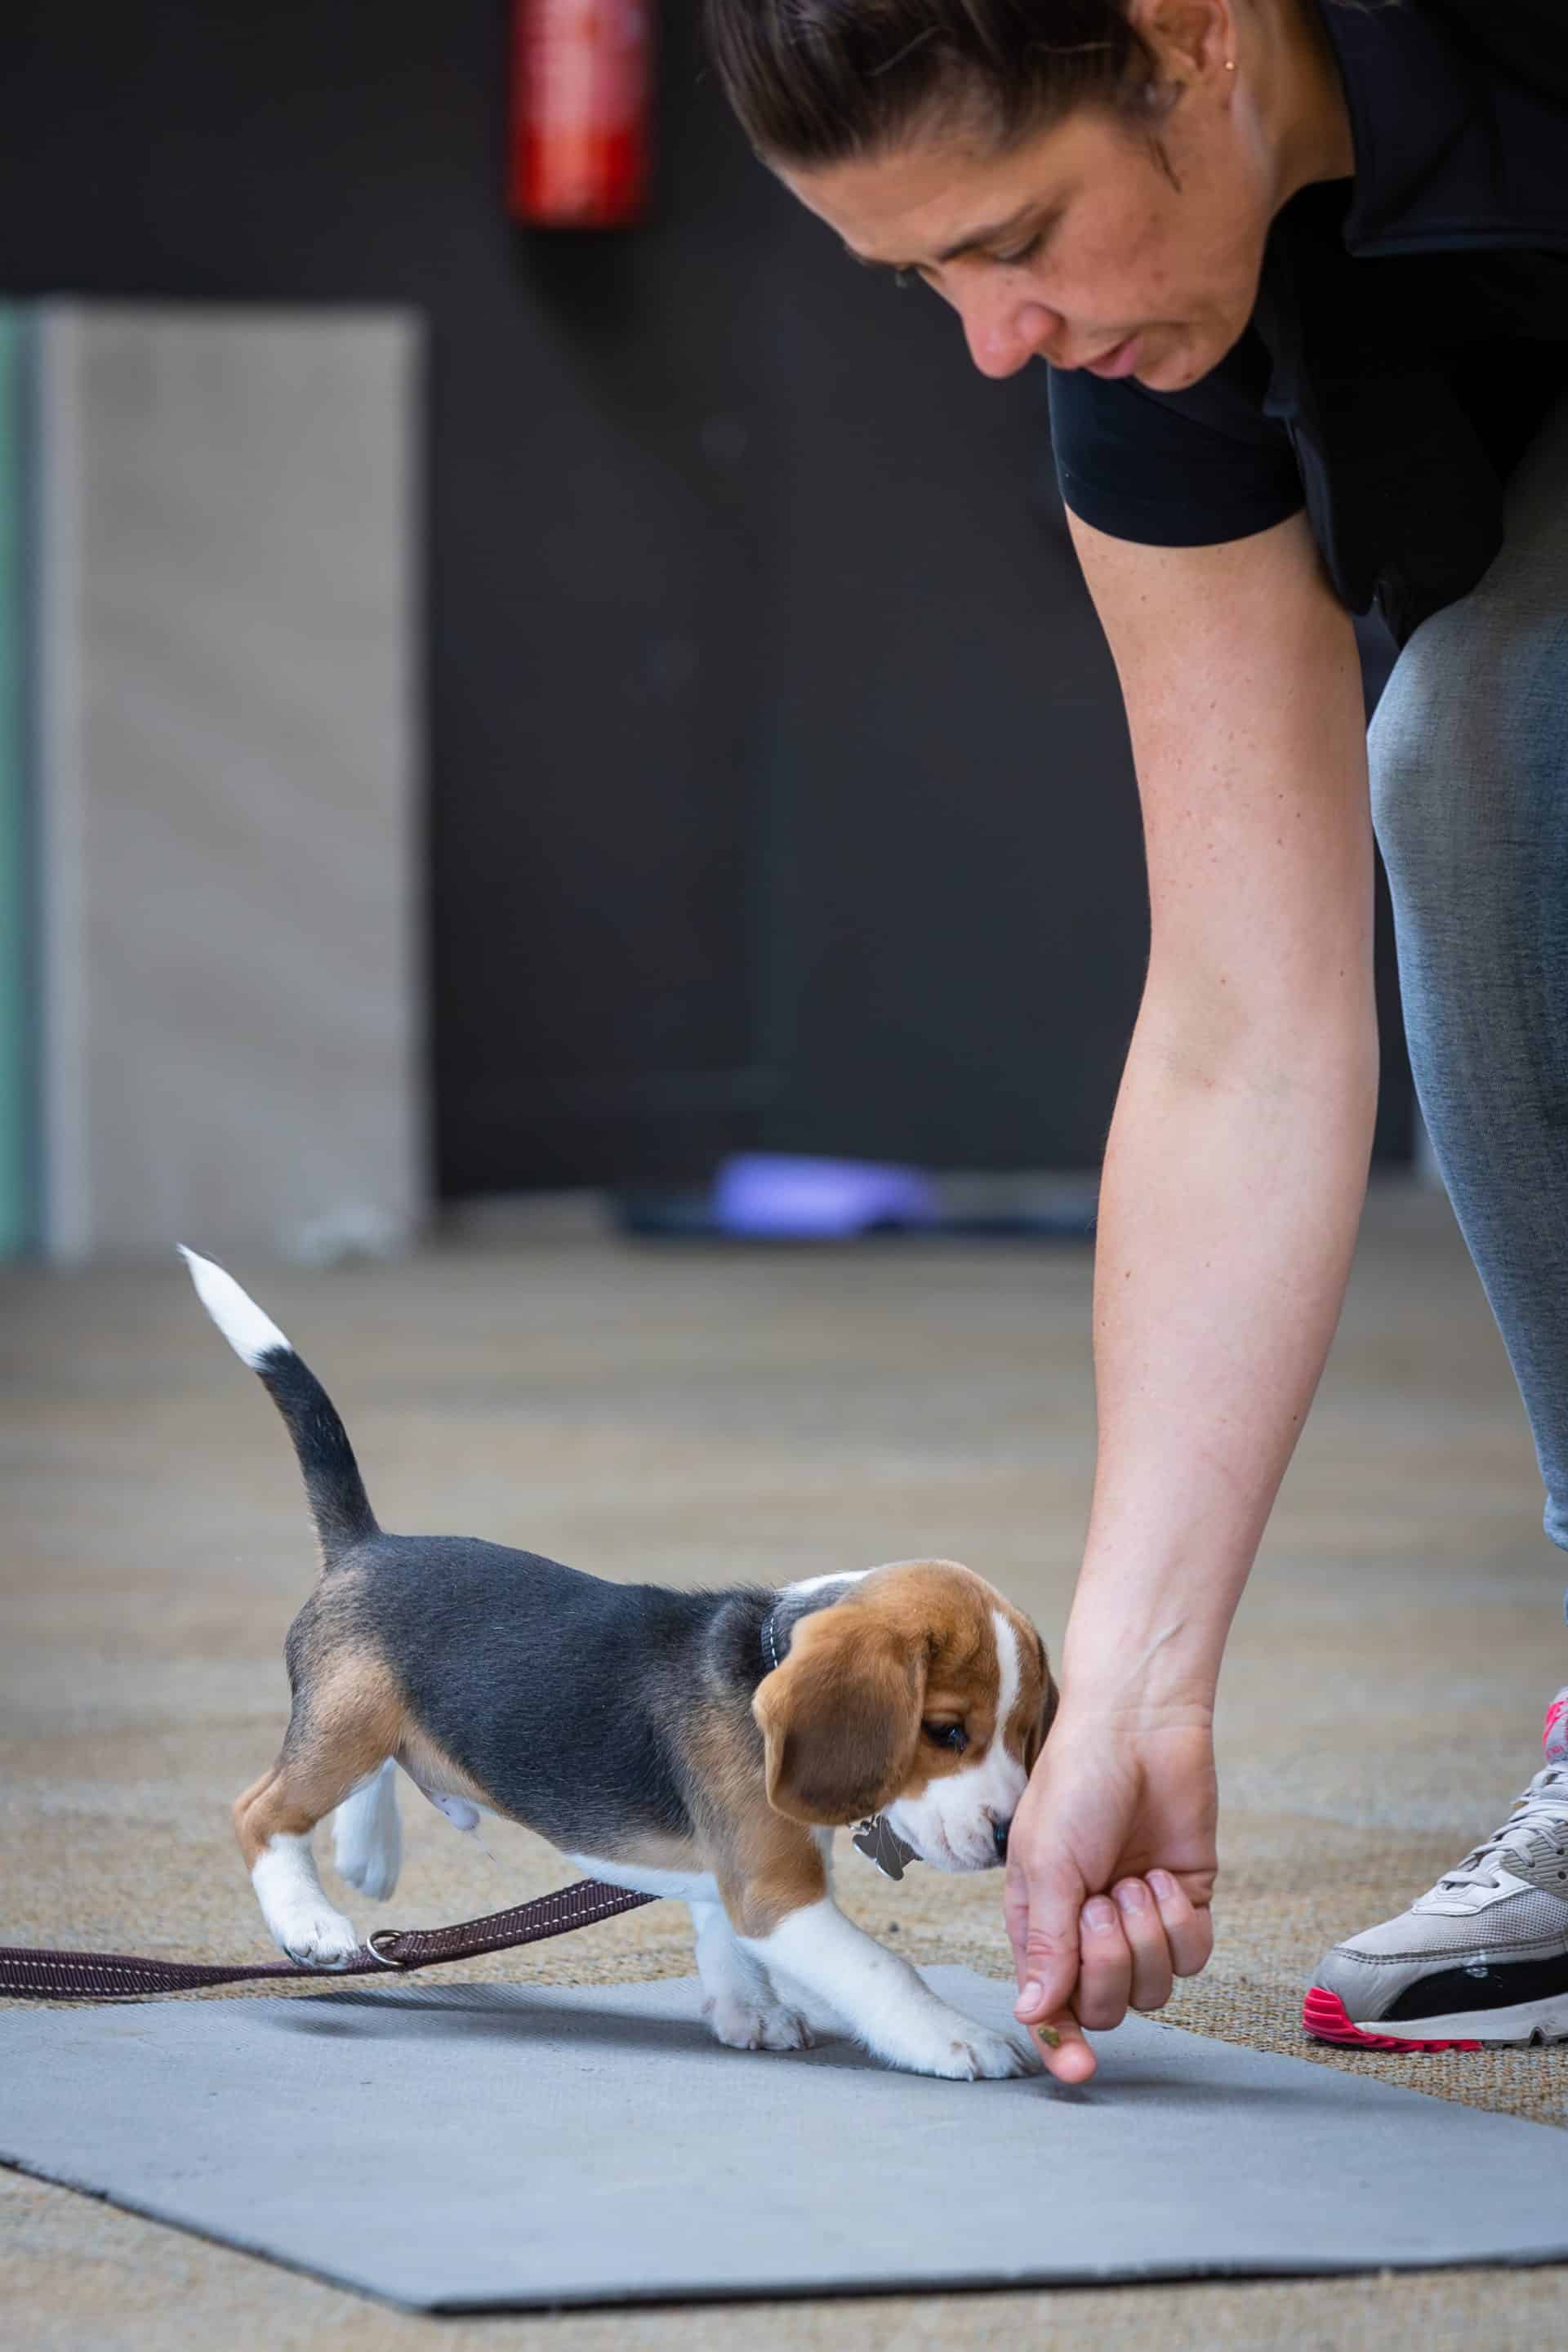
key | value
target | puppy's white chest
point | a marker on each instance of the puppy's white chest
(683, 1886)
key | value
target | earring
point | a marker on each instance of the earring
(1230, 65)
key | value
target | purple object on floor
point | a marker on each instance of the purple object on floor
(787, 1197)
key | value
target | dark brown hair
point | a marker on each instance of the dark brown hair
(821, 81)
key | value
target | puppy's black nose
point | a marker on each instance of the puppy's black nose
(1000, 1834)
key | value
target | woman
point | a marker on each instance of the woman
(1300, 271)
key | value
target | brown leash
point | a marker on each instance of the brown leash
(113, 1975)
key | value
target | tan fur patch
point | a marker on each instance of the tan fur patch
(1038, 1696)
(766, 1866)
(774, 1870)
(425, 1761)
(342, 1728)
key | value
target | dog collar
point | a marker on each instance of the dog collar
(770, 1641)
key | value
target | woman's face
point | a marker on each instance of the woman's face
(1076, 246)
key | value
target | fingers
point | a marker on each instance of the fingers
(1105, 1966)
(1144, 1927)
(1042, 1925)
(1130, 1950)
(1070, 2057)
(1125, 1955)
(1046, 1959)
(1166, 1934)
(1015, 1911)
(1188, 1930)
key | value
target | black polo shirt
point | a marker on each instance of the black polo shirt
(1408, 334)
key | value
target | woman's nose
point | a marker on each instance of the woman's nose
(1004, 333)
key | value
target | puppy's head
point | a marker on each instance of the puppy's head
(921, 1695)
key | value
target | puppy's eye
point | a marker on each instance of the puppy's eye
(947, 1735)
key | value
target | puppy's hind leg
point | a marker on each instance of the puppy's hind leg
(327, 1751)
(367, 1835)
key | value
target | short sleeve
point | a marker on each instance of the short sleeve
(1172, 469)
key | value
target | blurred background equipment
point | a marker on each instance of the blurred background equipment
(17, 1207)
(751, 759)
(222, 759)
(581, 97)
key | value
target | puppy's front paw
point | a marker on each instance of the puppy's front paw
(987, 2057)
(973, 2053)
(316, 1938)
(757, 2025)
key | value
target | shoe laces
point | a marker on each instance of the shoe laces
(1540, 1812)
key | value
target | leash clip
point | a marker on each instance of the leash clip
(373, 1944)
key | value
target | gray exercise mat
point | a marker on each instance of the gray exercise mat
(479, 2146)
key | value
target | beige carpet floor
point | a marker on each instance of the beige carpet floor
(696, 1415)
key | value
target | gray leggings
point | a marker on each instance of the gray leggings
(1468, 752)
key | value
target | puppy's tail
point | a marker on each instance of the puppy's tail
(336, 1491)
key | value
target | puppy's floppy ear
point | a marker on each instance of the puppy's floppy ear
(841, 1717)
(1051, 1699)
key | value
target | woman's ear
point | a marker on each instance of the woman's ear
(841, 1717)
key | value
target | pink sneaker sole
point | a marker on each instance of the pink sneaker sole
(1326, 2018)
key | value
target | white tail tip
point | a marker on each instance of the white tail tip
(249, 1333)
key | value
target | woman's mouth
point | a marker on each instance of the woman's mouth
(1119, 361)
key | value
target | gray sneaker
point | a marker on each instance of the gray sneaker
(1483, 1956)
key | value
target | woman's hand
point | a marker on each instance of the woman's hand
(1111, 1867)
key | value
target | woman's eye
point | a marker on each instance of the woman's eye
(1025, 253)
(947, 1735)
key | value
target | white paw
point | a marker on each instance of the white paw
(367, 1866)
(367, 1836)
(373, 1870)
(972, 2054)
(318, 1938)
(757, 2025)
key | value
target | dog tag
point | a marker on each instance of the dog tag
(883, 1846)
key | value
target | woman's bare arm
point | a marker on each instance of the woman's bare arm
(1233, 1183)
(1238, 1159)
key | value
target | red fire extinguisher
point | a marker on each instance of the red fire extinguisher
(581, 97)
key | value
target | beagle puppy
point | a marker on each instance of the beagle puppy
(701, 1744)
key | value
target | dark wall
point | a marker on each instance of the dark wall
(779, 788)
